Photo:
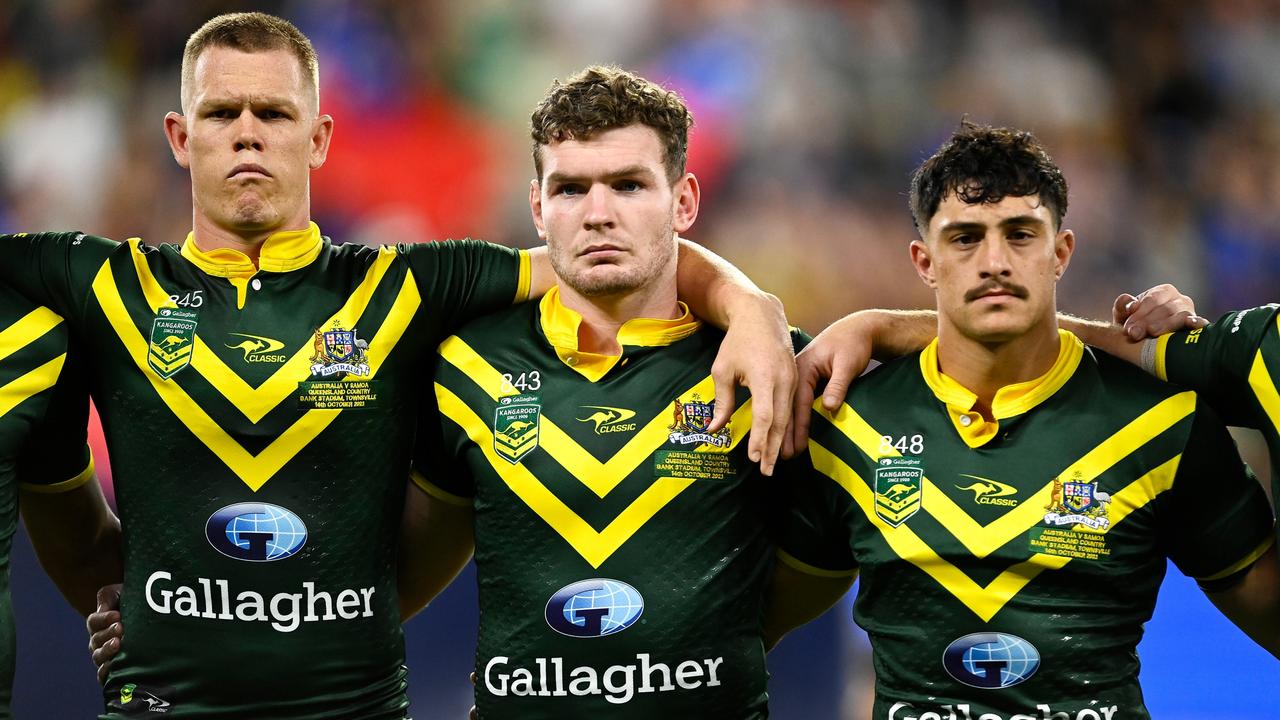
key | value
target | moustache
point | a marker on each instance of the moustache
(1013, 289)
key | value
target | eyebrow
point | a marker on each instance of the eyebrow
(1015, 221)
(629, 171)
(255, 101)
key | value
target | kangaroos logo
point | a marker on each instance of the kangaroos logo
(259, 349)
(609, 419)
(173, 336)
(515, 426)
(899, 481)
(989, 492)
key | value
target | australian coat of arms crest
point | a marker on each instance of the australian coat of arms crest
(1074, 502)
(339, 351)
(691, 420)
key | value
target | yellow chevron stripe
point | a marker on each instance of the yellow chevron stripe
(982, 540)
(14, 392)
(26, 329)
(253, 470)
(255, 403)
(1264, 387)
(599, 477)
(983, 601)
(594, 547)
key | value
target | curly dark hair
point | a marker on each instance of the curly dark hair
(603, 98)
(984, 164)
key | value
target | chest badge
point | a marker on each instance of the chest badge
(173, 338)
(690, 422)
(515, 426)
(339, 351)
(1078, 503)
(899, 485)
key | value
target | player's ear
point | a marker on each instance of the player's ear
(320, 137)
(175, 129)
(687, 196)
(922, 260)
(1063, 246)
(535, 207)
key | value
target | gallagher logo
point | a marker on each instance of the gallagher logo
(256, 532)
(594, 608)
(991, 661)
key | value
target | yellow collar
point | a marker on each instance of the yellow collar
(281, 252)
(560, 325)
(1009, 401)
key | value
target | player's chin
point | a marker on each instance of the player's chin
(996, 326)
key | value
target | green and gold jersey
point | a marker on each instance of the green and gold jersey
(1234, 364)
(621, 549)
(261, 423)
(1007, 567)
(44, 408)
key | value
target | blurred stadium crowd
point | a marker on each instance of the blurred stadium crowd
(810, 116)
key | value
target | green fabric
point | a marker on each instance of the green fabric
(1219, 361)
(985, 543)
(697, 554)
(42, 432)
(260, 406)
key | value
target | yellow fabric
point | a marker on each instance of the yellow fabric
(281, 252)
(1010, 401)
(560, 325)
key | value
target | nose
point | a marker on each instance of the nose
(599, 208)
(248, 134)
(994, 258)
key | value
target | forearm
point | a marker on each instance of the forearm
(77, 540)
(1105, 336)
(715, 290)
(436, 542)
(795, 598)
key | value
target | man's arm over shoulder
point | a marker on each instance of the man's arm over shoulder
(53, 269)
(460, 280)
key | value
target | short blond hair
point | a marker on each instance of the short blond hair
(250, 32)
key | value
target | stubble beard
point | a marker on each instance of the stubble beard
(619, 282)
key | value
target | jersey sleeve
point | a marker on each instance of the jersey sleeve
(439, 468)
(813, 529)
(464, 279)
(56, 456)
(56, 270)
(1227, 361)
(1215, 520)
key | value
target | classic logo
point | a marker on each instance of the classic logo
(1078, 503)
(899, 481)
(609, 419)
(259, 349)
(256, 532)
(139, 701)
(989, 492)
(515, 426)
(594, 608)
(339, 351)
(691, 420)
(991, 661)
(173, 337)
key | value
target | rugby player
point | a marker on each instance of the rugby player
(1008, 495)
(46, 468)
(620, 541)
(258, 388)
